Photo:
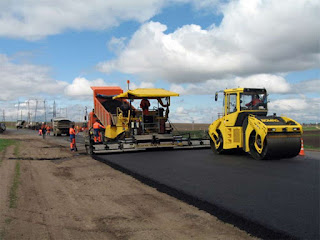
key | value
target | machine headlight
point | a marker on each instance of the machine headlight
(271, 129)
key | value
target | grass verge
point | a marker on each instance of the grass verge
(311, 148)
(13, 196)
(313, 128)
(3, 231)
(4, 143)
(193, 133)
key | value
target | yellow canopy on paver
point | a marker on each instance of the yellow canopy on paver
(150, 93)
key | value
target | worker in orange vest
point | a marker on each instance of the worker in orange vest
(72, 134)
(145, 104)
(96, 129)
(48, 130)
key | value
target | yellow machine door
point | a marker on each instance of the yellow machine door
(231, 112)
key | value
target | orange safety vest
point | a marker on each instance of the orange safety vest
(97, 125)
(72, 131)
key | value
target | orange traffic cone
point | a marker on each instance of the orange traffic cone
(301, 153)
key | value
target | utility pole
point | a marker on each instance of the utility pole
(3, 116)
(54, 112)
(18, 110)
(28, 104)
(45, 111)
(35, 113)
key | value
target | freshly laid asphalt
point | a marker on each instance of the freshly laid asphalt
(280, 195)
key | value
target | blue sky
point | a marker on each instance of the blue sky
(55, 52)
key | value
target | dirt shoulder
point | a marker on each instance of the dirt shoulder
(62, 195)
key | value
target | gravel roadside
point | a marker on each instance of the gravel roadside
(64, 195)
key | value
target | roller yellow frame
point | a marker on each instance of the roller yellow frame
(244, 124)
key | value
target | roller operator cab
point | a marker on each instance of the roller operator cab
(244, 124)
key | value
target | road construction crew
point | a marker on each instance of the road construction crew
(97, 134)
(145, 104)
(72, 134)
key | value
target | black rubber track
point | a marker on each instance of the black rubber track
(276, 199)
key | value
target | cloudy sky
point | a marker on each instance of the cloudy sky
(56, 49)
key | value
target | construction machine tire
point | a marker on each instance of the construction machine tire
(89, 149)
(276, 147)
(218, 149)
(253, 151)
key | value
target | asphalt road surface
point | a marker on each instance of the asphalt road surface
(281, 195)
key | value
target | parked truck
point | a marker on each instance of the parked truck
(61, 126)
(2, 127)
(20, 124)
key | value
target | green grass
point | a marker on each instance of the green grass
(4, 143)
(311, 147)
(193, 133)
(311, 134)
(7, 221)
(312, 128)
(13, 196)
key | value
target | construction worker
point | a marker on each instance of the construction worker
(72, 134)
(254, 102)
(97, 134)
(145, 104)
(48, 130)
(43, 130)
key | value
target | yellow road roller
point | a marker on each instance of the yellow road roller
(244, 124)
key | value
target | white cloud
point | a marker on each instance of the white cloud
(289, 105)
(273, 83)
(35, 19)
(142, 84)
(116, 44)
(209, 87)
(300, 109)
(25, 80)
(254, 37)
(307, 86)
(80, 87)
